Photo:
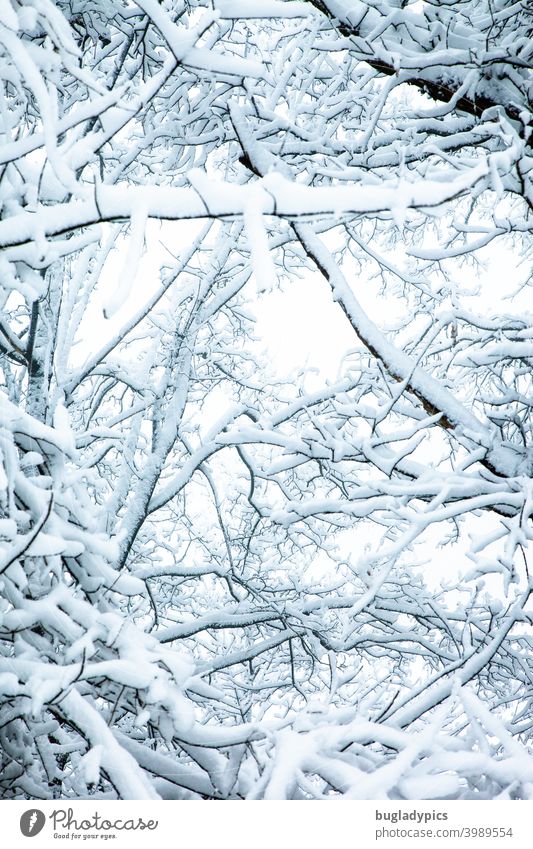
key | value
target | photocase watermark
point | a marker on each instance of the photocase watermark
(32, 822)
(66, 826)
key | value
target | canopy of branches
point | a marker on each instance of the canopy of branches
(222, 577)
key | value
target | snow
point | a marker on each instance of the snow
(274, 195)
(211, 61)
(29, 430)
(263, 264)
(8, 16)
(123, 770)
(228, 572)
(47, 546)
(430, 787)
(129, 271)
(91, 763)
(245, 9)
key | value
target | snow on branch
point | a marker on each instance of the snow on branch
(271, 541)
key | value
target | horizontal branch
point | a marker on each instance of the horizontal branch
(272, 195)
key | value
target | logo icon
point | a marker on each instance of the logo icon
(32, 822)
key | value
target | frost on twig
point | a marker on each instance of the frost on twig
(226, 573)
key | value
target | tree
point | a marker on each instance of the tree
(216, 581)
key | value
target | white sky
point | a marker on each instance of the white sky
(300, 324)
